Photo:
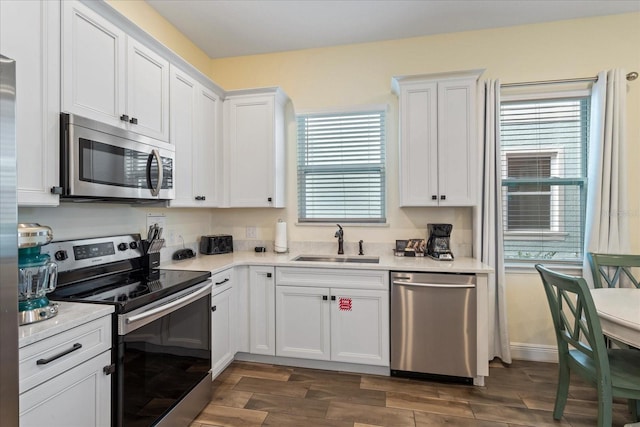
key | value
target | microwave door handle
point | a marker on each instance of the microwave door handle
(154, 153)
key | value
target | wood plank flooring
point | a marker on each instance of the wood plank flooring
(521, 394)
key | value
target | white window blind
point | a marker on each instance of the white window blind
(544, 158)
(341, 167)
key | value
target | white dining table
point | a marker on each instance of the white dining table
(619, 313)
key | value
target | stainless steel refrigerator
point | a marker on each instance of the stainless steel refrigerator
(8, 246)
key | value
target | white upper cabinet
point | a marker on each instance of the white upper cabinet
(195, 133)
(147, 91)
(255, 146)
(29, 34)
(110, 77)
(184, 91)
(208, 169)
(438, 139)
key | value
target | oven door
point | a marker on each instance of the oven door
(164, 359)
(100, 161)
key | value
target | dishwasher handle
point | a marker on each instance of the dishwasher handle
(433, 285)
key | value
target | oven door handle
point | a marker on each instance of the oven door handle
(168, 308)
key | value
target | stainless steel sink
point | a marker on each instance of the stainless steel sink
(338, 258)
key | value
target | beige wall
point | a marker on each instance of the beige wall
(140, 13)
(360, 75)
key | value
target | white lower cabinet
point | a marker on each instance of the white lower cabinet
(337, 315)
(262, 316)
(65, 379)
(79, 397)
(303, 322)
(360, 326)
(223, 321)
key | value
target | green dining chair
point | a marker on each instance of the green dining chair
(582, 350)
(610, 268)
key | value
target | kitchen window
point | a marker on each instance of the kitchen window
(341, 166)
(544, 175)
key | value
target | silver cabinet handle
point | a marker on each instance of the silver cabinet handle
(432, 285)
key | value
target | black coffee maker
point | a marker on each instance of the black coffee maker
(438, 243)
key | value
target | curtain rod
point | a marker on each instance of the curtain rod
(630, 77)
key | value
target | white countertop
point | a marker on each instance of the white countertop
(70, 315)
(216, 263)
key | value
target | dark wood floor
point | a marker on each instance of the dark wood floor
(522, 394)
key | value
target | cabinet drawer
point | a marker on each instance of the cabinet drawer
(327, 277)
(74, 347)
(222, 281)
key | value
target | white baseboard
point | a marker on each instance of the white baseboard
(534, 352)
(314, 364)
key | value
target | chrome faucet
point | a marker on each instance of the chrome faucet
(340, 235)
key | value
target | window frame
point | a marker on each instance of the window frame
(541, 93)
(378, 168)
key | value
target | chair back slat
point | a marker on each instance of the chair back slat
(609, 268)
(574, 327)
(574, 315)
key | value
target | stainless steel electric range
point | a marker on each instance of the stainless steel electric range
(161, 327)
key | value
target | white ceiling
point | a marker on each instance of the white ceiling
(224, 28)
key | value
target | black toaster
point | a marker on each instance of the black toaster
(216, 244)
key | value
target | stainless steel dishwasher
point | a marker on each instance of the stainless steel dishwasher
(433, 325)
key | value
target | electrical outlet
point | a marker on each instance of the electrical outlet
(252, 233)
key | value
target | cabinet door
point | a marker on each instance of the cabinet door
(222, 312)
(240, 328)
(251, 138)
(419, 144)
(93, 65)
(457, 147)
(147, 91)
(29, 33)
(360, 326)
(303, 322)
(208, 163)
(262, 316)
(184, 92)
(78, 397)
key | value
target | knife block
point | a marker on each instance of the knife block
(152, 253)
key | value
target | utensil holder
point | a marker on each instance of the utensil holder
(152, 253)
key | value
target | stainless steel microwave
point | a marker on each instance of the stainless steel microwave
(103, 162)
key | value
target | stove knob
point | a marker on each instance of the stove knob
(60, 255)
(133, 245)
(122, 247)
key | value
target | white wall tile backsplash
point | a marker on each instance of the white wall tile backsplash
(185, 226)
